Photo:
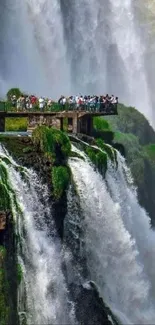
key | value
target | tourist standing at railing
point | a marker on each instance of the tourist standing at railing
(41, 104)
(14, 100)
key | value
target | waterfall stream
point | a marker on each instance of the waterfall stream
(64, 47)
(119, 242)
(110, 242)
(43, 295)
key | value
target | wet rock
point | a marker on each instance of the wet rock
(89, 306)
(2, 220)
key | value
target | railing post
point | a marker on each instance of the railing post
(2, 123)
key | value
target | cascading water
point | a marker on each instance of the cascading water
(43, 296)
(54, 47)
(137, 222)
(117, 263)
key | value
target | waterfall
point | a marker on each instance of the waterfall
(135, 218)
(43, 295)
(115, 237)
(63, 47)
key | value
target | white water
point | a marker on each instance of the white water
(115, 257)
(135, 218)
(58, 46)
(45, 293)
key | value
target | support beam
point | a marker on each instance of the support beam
(89, 125)
(75, 123)
(86, 125)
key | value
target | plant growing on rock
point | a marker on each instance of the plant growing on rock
(60, 180)
(52, 141)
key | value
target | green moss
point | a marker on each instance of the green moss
(98, 158)
(2, 252)
(101, 160)
(52, 142)
(27, 149)
(16, 124)
(111, 152)
(19, 273)
(8, 196)
(4, 194)
(76, 155)
(91, 154)
(60, 180)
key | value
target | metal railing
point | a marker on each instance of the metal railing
(56, 107)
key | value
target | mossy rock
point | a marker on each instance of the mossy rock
(19, 273)
(74, 154)
(98, 158)
(27, 149)
(2, 253)
(60, 180)
(52, 141)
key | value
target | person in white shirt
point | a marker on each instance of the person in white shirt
(41, 103)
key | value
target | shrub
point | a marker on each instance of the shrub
(100, 124)
(52, 141)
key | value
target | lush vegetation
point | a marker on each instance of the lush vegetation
(52, 142)
(4, 196)
(129, 120)
(16, 124)
(60, 179)
(101, 124)
(106, 148)
(133, 131)
(98, 158)
(56, 147)
(14, 91)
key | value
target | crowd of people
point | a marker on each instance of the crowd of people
(94, 103)
(91, 103)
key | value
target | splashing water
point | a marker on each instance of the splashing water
(135, 218)
(44, 289)
(114, 258)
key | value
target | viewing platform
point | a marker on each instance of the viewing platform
(78, 119)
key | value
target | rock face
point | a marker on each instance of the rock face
(8, 267)
(90, 308)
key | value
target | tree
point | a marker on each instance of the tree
(13, 91)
